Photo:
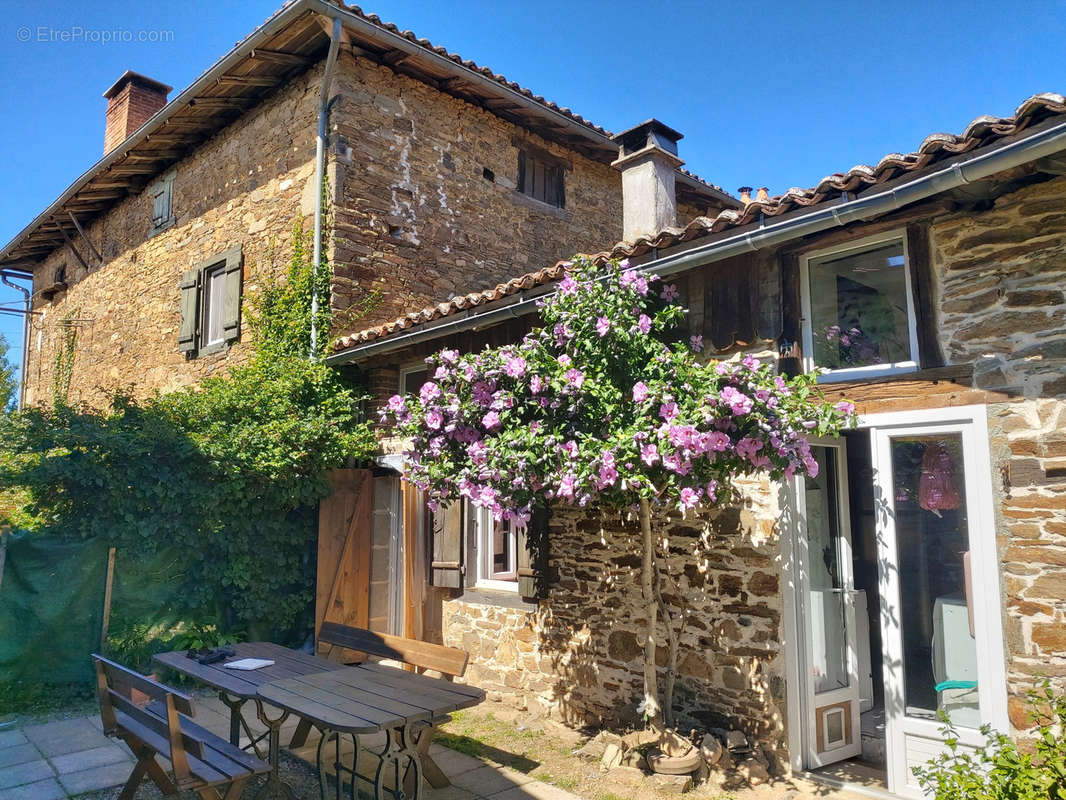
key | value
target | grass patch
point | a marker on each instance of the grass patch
(44, 698)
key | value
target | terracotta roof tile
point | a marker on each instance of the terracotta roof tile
(982, 131)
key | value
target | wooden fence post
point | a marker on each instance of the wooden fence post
(108, 582)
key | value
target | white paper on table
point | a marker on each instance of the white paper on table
(249, 663)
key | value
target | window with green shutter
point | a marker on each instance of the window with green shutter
(161, 193)
(211, 305)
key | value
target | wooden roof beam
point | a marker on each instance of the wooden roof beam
(249, 80)
(279, 57)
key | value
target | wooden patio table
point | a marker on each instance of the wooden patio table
(372, 698)
(237, 687)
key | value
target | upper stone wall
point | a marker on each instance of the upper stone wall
(426, 198)
(245, 186)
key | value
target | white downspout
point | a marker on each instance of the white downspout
(320, 168)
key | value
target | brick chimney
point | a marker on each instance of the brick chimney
(131, 101)
(648, 161)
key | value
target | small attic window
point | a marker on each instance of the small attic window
(162, 195)
(540, 179)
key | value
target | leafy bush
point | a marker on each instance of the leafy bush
(227, 474)
(1000, 770)
(8, 384)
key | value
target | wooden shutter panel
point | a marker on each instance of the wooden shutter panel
(446, 567)
(190, 295)
(790, 361)
(231, 306)
(920, 267)
(522, 172)
(533, 577)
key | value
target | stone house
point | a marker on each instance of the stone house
(923, 570)
(438, 175)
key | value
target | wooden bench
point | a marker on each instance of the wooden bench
(200, 760)
(336, 640)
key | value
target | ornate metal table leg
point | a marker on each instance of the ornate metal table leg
(339, 767)
(237, 722)
(274, 785)
(400, 757)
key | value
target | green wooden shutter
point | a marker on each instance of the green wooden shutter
(190, 295)
(533, 573)
(790, 348)
(231, 306)
(446, 567)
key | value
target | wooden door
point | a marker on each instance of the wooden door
(344, 549)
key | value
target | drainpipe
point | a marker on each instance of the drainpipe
(320, 168)
(25, 333)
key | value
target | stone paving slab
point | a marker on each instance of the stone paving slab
(10, 738)
(102, 777)
(89, 759)
(65, 736)
(27, 772)
(40, 790)
(489, 780)
(18, 754)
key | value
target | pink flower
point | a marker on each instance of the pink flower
(696, 343)
(429, 391)
(602, 326)
(568, 285)
(574, 377)
(649, 454)
(644, 323)
(629, 278)
(714, 442)
(397, 404)
(449, 356)
(515, 366)
(845, 408)
(490, 420)
(570, 448)
(690, 498)
(668, 410)
(482, 393)
(536, 384)
(478, 453)
(564, 360)
(738, 402)
(640, 392)
(748, 447)
(567, 486)
(608, 475)
(434, 419)
(712, 491)
(669, 292)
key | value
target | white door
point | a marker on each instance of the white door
(939, 585)
(826, 605)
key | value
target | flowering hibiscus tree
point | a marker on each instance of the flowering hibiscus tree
(602, 405)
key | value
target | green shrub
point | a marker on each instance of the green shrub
(1000, 770)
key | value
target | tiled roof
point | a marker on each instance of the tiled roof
(982, 131)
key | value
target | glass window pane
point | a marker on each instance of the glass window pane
(932, 543)
(859, 311)
(827, 592)
(412, 381)
(214, 296)
(503, 543)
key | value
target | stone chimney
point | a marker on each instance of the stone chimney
(131, 101)
(648, 160)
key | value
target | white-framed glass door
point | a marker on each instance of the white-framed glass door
(939, 585)
(825, 584)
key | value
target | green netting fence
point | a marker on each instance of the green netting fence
(53, 593)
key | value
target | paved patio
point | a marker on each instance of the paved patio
(67, 758)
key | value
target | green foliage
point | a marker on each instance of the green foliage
(8, 384)
(227, 474)
(1000, 770)
(63, 363)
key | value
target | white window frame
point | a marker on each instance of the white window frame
(207, 306)
(408, 370)
(872, 370)
(486, 578)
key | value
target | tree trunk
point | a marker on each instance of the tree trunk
(652, 710)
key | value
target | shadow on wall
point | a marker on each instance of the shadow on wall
(722, 591)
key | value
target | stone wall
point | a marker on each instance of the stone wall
(427, 205)
(1001, 275)
(579, 656)
(245, 186)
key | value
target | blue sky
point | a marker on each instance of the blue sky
(767, 94)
